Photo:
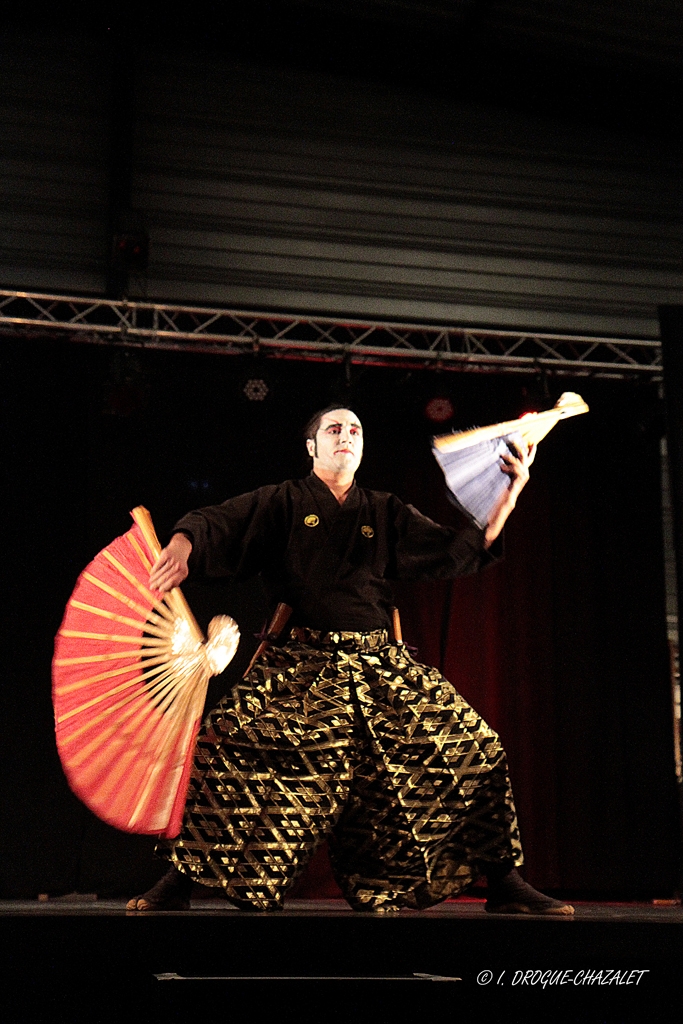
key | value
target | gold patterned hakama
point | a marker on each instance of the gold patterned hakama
(344, 737)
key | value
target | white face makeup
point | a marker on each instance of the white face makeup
(338, 444)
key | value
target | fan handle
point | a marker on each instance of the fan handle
(175, 598)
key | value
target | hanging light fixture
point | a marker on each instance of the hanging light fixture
(255, 389)
(439, 409)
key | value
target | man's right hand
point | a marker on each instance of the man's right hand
(170, 568)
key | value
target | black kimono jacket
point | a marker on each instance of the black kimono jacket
(333, 564)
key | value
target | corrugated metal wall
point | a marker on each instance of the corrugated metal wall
(274, 189)
(53, 164)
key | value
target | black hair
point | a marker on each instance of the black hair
(313, 425)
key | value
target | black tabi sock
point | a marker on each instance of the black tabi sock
(506, 887)
(173, 884)
(496, 874)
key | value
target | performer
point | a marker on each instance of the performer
(338, 733)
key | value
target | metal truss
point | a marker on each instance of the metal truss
(156, 325)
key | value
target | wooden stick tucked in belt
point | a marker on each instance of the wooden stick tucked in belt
(275, 627)
(396, 623)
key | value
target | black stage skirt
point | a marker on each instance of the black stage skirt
(344, 737)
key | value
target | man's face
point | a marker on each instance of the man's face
(338, 444)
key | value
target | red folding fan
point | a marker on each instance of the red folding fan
(130, 673)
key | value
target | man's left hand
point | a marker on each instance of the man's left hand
(516, 462)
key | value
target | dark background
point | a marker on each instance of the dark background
(562, 647)
(617, 65)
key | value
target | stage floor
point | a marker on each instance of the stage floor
(457, 910)
(66, 958)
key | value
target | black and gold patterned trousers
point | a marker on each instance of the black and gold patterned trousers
(344, 736)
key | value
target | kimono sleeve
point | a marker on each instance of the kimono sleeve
(231, 539)
(425, 550)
